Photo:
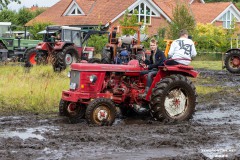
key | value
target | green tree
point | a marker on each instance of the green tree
(182, 19)
(4, 3)
(212, 38)
(38, 11)
(37, 27)
(98, 42)
(129, 21)
(23, 16)
(8, 16)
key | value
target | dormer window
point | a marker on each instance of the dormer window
(144, 13)
(73, 10)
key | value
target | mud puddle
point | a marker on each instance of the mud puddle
(25, 133)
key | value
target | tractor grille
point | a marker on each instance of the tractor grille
(75, 78)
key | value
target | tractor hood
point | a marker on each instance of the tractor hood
(132, 66)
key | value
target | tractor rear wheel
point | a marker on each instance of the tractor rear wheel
(30, 57)
(73, 111)
(173, 99)
(101, 111)
(65, 58)
(106, 57)
(232, 61)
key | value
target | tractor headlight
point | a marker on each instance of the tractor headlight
(69, 74)
(93, 78)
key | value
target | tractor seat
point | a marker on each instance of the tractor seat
(185, 67)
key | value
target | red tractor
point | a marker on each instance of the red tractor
(96, 90)
(63, 46)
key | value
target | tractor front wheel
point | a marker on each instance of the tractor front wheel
(101, 111)
(173, 99)
(232, 61)
(30, 57)
(73, 111)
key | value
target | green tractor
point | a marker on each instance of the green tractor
(16, 43)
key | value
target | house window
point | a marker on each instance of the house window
(227, 19)
(73, 10)
(144, 13)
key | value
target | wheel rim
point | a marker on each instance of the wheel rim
(234, 62)
(32, 58)
(101, 113)
(176, 102)
(72, 109)
(68, 59)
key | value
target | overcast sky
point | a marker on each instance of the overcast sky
(30, 3)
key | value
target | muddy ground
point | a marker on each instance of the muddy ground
(213, 133)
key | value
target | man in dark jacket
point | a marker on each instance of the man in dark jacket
(156, 59)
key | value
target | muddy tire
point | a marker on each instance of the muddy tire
(106, 57)
(73, 111)
(232, 61)
(31, 57)
(173, 99)
(101, 111)
(65, 58)
(41, 58)
(94, 60)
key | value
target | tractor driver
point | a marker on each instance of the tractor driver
(156, 59)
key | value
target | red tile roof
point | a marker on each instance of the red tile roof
(96, 12)
(168, 5)
(206, 13)
(103, 11)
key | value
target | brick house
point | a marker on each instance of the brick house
(153, 13)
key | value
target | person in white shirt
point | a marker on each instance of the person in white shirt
(182, 50)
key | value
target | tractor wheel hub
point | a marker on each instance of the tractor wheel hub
(68, 59)
(236, 62)
(102, 114)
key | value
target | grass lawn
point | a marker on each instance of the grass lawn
(211, 65)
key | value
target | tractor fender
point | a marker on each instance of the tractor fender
(180, 69)
(233, 49)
